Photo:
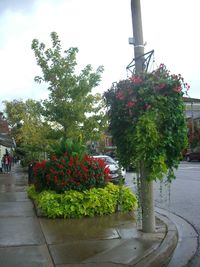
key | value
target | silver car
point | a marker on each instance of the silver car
(116, 172)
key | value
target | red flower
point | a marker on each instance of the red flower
(71, 159)
(84, 168)
(107, 170)
(52, 170)
(131, 104)
(53, 157)
(55, 179)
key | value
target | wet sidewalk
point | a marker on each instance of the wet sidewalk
(114, 240)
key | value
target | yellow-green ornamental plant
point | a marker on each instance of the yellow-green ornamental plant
(147, 121)
(90, 203)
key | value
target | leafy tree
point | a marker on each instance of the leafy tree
(71, 103)
(31, 133)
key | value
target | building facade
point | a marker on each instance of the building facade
(6, 141)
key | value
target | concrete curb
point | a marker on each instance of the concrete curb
(161, 256)
(188, 239)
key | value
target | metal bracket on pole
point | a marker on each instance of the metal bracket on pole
(147, 58)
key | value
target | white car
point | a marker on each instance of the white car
(116, 172)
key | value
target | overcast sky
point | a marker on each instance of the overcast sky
(100, 29)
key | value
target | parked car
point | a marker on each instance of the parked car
(116, 172)
(193, 154)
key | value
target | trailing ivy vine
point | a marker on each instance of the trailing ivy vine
(147, 120)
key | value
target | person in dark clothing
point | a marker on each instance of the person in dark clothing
(6, 163)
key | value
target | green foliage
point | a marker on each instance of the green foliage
(32, 192)
(73, 148)
(93, 202)
(30, 131)
(127, 199)
(148, 141)
(71, 103)
(147, 121)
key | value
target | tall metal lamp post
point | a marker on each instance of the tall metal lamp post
(146, 194)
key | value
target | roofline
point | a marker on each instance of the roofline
(191, 100)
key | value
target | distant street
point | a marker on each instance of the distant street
(182, 197)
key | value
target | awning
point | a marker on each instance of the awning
(6, 140)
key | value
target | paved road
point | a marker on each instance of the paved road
(182, 197)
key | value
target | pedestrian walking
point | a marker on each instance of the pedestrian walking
(6, 163)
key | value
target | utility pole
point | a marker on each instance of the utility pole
(137, 35)
(146, 188)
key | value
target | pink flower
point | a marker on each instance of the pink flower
(120, 95)
(161, 66)
(131, 104)
(130, 91)
(161, 86)
(136, 79)
(177, 89)
(187, 86)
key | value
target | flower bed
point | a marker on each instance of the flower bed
(70, 172)
(71, 184)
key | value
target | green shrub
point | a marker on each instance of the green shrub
(92, 202)
(73, 147)
(32, 192)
